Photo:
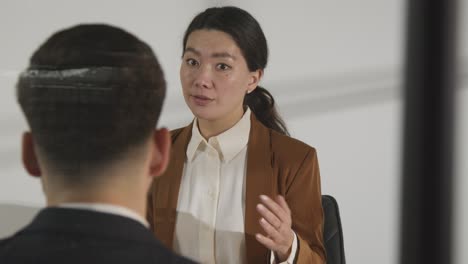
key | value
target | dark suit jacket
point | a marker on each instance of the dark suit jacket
(276, 164)
(62, 235)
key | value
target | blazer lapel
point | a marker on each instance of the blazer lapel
(259, 180)
(167, 188)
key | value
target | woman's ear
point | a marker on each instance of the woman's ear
(30, 161)
(161, 152)
(255, 78)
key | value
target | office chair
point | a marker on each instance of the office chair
(332, 233)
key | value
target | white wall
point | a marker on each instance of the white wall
(334, 69)
(335, 72)
(26, 24)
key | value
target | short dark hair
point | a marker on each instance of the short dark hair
(249, 37)
(90, 94)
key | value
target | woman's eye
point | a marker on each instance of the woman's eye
(223, 67)
(191, 62)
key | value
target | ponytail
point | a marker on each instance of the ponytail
(262, 104)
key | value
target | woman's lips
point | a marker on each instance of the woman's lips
(201, 100)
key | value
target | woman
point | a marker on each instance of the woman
(238, 188)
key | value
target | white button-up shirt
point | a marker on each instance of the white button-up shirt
(211, 203)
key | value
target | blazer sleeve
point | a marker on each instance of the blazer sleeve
(304, 197)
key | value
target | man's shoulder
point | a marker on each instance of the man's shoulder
(4, 243)
(170, 257)
(157, 253)
(92, 237)
(8, 250)
(86, 249)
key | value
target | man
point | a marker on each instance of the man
(92, 96)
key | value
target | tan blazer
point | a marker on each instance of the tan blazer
(276, 164)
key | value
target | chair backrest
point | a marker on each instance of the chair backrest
(332, 233)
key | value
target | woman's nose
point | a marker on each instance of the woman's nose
(203, 77)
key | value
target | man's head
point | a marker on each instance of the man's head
(92, 96)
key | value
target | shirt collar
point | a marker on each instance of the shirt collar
(107, 208)
(228, 144)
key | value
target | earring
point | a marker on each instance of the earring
(248, 91)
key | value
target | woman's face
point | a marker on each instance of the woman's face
(214, 76)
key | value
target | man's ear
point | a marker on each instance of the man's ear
(161, 144)
(29, 156)
(255, 78)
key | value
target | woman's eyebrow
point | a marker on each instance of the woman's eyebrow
(223, 55)
(214, 55)
(190, 49)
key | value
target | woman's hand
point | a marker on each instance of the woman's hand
(276, 221)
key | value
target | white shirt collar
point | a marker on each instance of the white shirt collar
(228, 144)
(107, 208)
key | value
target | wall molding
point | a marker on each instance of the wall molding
(312, 96)
(295, 98)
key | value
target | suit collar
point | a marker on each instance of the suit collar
(107, 208)
(56, 219)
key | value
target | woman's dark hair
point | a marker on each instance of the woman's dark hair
(249, 37)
